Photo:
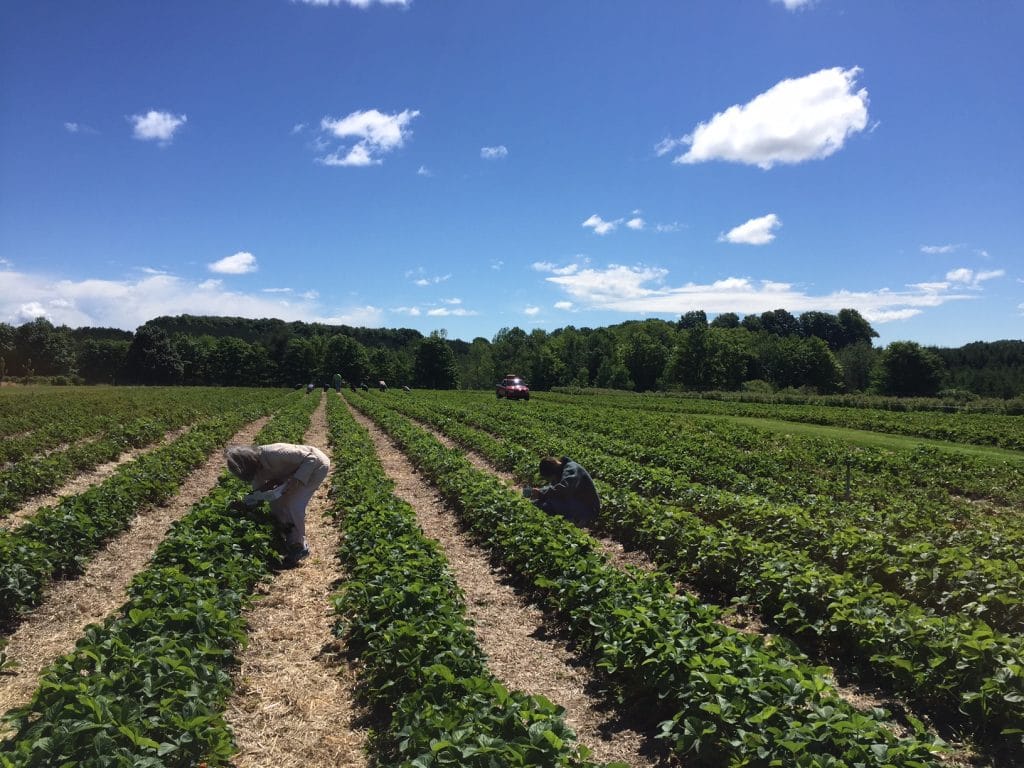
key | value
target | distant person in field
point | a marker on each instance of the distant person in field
(292, 471)
(570, 491)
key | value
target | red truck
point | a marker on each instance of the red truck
(512, 387)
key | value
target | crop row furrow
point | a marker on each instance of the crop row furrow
(402, 616)
(954, 667)
(57, 541)
(948, 580)
(147, 687)
(727, 697)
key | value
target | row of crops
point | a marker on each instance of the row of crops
(974, 428)
(47, 436)
(948, 663)
(147, 687)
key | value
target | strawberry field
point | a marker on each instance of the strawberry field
(880, 591)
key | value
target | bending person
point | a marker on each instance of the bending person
(293, 473)
(570, 491)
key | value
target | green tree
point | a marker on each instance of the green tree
(152, 359)
(477, 367)
(726, 320)
(47, 350)
(435, 366)
(694, 319)
(906, 369)
(644, 358)
(101, 361)
(856, 330)
(858, 362)
(346, 356)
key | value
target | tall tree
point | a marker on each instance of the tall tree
(435, 366)
(907, 369)
(152, 359)
(101, 361)
(46, 350)
(346, 356)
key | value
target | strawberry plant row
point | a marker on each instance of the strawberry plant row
(975, 428)
(57, 541)
(728, 698)
(922, 493)
(402, 617)
(59, 417)
(147, 687)
(946, 579)
(122, 429)
(954, 667)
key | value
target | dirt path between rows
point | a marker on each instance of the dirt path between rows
(293, 705)
(68, 606)
(511, 631)
(84, 481)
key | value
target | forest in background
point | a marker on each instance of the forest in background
(776, 351)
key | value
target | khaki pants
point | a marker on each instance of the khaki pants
(290, 509)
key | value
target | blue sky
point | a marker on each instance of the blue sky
(473, 165)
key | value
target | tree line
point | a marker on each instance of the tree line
(775, 350)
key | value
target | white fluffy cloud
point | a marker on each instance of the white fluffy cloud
(795, 5)
(377, 133)
(799, 119)
(643, 290)
(938, 249)
(241, 263)
(563, 305)
(970, 278)
(759, 231)
(600, 226)
(547, 266)
(636, 223)
(494, 153)
(157, 126)
(128, 304)
(531, 311)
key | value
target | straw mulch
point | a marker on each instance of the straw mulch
(293, 702)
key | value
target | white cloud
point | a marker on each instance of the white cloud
(355, 3)
(937, 249)
(531, 311)
(240, 263)
(563, 305)
(972, 279)
(423, 279)
(673, 227)
(446, 312)
(79, 128)
(377, 133)
(547, 266)
(451, 301)
(494, 153)
(600, 226)
(128, 304)
(666, 145)
(642, 290)
(759, 231)
(411, 311)
(5, 263)
(157, 126)
(799, 119)
(423, 171)
(298, 128)
(795, 5)
(277, 290)
(497, 265)
(636, 223)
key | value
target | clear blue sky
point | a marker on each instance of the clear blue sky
(471, 165)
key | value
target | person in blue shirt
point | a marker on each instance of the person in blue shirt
(570, 491)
